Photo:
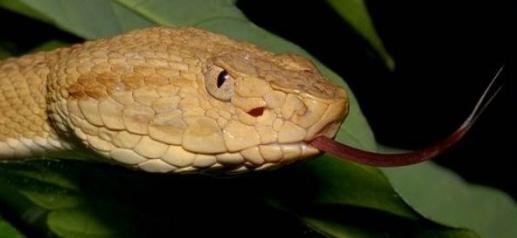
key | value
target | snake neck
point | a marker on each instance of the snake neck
(24, 125)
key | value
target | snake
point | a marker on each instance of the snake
(179, 100)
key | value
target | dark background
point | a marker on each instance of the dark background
(446, 52)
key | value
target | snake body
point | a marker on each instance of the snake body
(168, 100)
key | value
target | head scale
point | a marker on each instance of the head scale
(180, 100)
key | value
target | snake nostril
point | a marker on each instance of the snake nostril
(256, 112)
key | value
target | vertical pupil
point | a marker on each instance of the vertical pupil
(221, 78)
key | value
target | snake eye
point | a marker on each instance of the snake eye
(219, 83)
(222, 78)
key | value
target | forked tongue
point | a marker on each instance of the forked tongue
(391, 160)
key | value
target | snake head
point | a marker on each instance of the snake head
(186, 100)
(278, 103)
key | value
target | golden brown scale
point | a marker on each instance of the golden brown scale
(169, 100)
(24, 125)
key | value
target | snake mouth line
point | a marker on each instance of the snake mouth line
(287, 151)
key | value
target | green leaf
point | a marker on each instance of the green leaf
(45, 188)
(89, 19)
(356, 14)
(49, 45)
(183, 12)
(21, 8)
(6, 49)
(112, 17)
(117, 202)
(328, 182)
(443, 197)
(8, 231)
(4, 53)
(336, 228)
(80, 222)
(20, 205)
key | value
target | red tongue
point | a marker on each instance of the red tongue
(391, 160)
(385, 160)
